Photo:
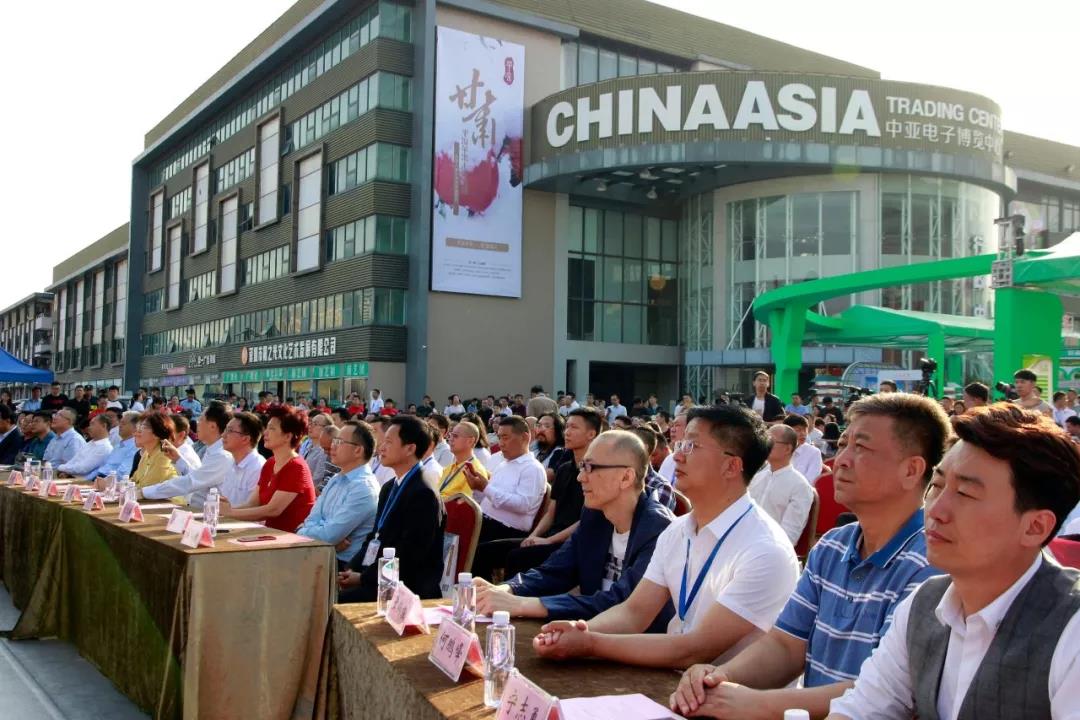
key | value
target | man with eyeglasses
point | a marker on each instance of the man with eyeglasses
(855, 575)
(344, 512)
(193, 483)
(780, 489)
(726, 566)
(463, 439)
(312, 452)
(609, 550)
(240, 439)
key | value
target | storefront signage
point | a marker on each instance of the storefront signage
(479, 119)
(200, 361)
(170, 369)
(305, 349)
(778, 107)
(304, 372)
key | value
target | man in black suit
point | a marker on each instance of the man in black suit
(763, 402)
(409, 518)
(11, 440)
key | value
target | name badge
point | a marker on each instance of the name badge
(178, 520)
(405, 610)
(131, 512)
(372, 553)
(93, 502)
(454, 648)
(197, 535)
(523, 698)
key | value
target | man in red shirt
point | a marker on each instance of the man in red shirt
(389, 409)
(264, 403)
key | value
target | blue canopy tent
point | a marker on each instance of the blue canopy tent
(14, 370)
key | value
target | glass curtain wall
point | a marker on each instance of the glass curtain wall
(696, 276)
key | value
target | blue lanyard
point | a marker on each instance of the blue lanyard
(395, 493)
(684, 603)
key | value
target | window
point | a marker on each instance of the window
(622, 278)
(309, 211)
(381, 19)
(200, 239)
(201, 286)
(77, 340)
(180, 203)
(375, 233)
(229, 218)
(120, 312)
(173, 274)
(157, 229)
(585, 62)
(379, 161)
(383, 89)
(269, 180)
(234, 171)
(153, 301)
(366, 306)
(269, 265)
(99, 317)
(61, 338)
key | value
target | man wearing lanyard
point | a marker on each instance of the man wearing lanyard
(379, 426)
(463, 439)
(430, 468)
(409, 518)
(726, 565)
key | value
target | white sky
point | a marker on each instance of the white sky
(86, 80)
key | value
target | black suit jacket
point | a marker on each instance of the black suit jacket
(414, 528)
(774, 409)
(11, 446)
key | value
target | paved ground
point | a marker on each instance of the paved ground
(48, 680)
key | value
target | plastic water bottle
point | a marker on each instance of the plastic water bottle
(27, 470)
(499, 657)
(211, 508)
(465, 602)
(388, 579)
(796, 714)
(131, 494)
(47, 471)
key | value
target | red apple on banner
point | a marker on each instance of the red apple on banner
(478, 185)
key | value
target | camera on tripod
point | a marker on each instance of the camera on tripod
(928, 367)
(1009, 391)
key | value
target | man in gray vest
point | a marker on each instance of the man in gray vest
(999, 637)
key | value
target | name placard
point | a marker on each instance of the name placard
(178, 520)
(405, 610)
(131, 512)
(523, 698)
(196, 535)
(454, 648)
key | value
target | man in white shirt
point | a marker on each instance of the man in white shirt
(241, 437)
(568, 402)
(430, 467)
(1062, 411)
(677, 430)
(115, 414)
(453, 406)
(512, 496)
(182, 442)
(376, 403)
(440, 426)
(726, 565)
(68, 440)
(615, 409)
(92, 454)
(807, 458)
(999, 636)
(780, 489)
(383, 473)
(195, 483)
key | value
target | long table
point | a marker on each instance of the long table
(233, 631)
(372, 673)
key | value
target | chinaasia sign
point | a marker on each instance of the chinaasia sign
(479, 111)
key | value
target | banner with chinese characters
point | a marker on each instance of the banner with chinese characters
(477, 193)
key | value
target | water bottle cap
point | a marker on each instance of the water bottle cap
(501, 618)
(464, 578)
(796, 715)
(389, 553)
(48, 464)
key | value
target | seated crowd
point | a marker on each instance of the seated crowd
(670, 542)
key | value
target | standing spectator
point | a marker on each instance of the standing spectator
(767, 406)
(34, 403)
(112, 397)
(55, 399)
(539, 403)
(190, 404)
(976, 395)
(1028, 390)
(518, 406)
(568, 403)
(453, 406)
(796, 407)
(11, 439)
(285, 494)
(5, 400)
(68, 440)
(376, 403)
(615, 409)
(81, 405)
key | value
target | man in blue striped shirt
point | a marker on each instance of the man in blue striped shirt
(854, 578)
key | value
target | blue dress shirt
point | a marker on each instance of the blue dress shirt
(63, 448)
(119, 460)
(345, 509)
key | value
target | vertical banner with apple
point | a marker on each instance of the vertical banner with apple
(477, 192)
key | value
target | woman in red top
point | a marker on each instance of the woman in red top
(285, 494)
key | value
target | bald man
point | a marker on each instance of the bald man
(781, 490)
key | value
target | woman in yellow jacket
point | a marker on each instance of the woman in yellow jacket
(155, 466)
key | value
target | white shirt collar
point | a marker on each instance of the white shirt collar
(719, 524)
(951, 614)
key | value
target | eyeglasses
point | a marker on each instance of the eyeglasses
(588, 466)
(340, 441)
(687, 447)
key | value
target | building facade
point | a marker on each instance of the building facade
(26, 330)
(282, 216)
(90, 306)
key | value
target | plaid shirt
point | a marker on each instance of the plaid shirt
(660, 489)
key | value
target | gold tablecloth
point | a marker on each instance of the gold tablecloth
(371, 673)
(226, 632)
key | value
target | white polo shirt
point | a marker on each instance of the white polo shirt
(753, 574)
(514, 492)
(807, 460)
(785, 495)
(242, 478)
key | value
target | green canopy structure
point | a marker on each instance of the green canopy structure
(1027, 321)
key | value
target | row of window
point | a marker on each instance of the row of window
(237, 170)
(202, 286)
(381, 19)
(180, 203)
(379, 161)
(609, 232)
(269, 265)
(804, 225)
(93, 308)
(383, 89)
(368, 306)
(587, 63)
(375, 233)
(153, 301)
